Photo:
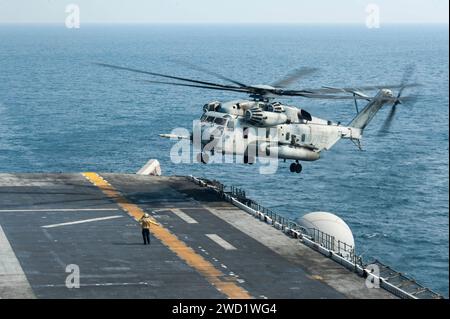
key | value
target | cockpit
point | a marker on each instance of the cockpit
(212, 119)
(221, 120)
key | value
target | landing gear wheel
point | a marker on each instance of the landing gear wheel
(293, 167)
(296, 168)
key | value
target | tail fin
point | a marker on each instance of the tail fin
(366, 115)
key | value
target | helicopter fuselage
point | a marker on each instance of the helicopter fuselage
(253, 129)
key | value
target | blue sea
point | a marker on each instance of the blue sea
(59, 112)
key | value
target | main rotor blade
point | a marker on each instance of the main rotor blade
(311, 95)
(293, 76)
(198, 86)
(327, 89)
(165, 76)
(220, 76)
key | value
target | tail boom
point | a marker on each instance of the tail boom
(367, 114)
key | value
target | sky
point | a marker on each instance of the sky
(224, 11)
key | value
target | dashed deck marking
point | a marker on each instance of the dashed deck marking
(188, 219)
(83, 221)
(221, 242)
(186, 253)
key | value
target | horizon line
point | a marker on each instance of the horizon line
(217, 23)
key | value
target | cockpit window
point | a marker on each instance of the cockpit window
(210, 119)
(203, 118)
(220, 121)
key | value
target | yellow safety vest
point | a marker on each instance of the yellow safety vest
(146, 222)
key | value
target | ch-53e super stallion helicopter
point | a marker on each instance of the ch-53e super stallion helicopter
(264, 124)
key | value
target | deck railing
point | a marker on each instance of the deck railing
(397, 283)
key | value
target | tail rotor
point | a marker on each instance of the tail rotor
(398, 100)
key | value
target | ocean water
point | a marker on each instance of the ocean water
(61, 113)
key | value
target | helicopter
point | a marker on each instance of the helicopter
(262, 126)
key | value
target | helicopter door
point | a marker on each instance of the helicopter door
(305, 136)
(300, 135)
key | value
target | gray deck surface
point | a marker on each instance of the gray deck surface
(113, 261)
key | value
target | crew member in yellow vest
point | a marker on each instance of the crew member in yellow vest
(145, 222)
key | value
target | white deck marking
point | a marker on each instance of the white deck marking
(221, 242)
(188, 219)
(13, 282)
(83, 221)
(59, 210)
(106, 284)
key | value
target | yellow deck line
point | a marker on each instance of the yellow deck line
(196, 261)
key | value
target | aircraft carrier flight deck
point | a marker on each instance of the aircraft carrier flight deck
(203, 245)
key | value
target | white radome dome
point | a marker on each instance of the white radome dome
(329, 224)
